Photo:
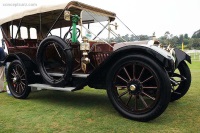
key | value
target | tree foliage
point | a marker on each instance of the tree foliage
(176, 41)
(127, 37)
(166, 39)
(196, 34)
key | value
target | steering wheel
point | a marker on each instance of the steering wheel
(68, 35)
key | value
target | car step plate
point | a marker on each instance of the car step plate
(48, 87)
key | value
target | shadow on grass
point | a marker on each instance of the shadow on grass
(91, 100)
(96, 101)
(77, 99)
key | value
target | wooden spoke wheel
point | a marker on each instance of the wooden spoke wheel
(138, 87)
(17, 80)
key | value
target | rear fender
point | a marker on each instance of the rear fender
(30, 66)
(23, 58)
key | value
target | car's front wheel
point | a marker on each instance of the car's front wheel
(138, 87)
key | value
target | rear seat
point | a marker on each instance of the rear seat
(24, 42)
(31, 42)
(17, 42)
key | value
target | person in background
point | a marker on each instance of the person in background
(2, 68)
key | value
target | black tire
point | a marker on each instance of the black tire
(64, 60)
(148, 94)
(17, 80)
(183, 76)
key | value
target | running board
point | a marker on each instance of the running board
(60, 75)
(48, 87)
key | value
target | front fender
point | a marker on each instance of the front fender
(97, 78)
(181, 56)
(160, 55)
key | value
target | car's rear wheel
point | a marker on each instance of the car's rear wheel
(138, 87)
(17, 79)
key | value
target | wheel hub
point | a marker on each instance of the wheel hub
(134, 87)
(16, 79)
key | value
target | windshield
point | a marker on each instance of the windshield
(96, 27)
(99, 27)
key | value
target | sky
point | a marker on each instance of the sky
(141, 16)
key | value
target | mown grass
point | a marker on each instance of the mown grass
(89, 110)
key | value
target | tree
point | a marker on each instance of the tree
(196, 34)
(166, 39)
(175, 40)
(144, 37)
(126, 37)
(194, 43)
(186, 36)
(133, 38)
(181, 39)
(167, 34)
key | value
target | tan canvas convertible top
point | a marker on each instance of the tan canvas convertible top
(73, 6)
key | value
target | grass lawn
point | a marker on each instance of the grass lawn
(89, 110)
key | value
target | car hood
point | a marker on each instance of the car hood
(123, 44)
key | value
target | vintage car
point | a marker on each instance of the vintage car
(140, 77)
